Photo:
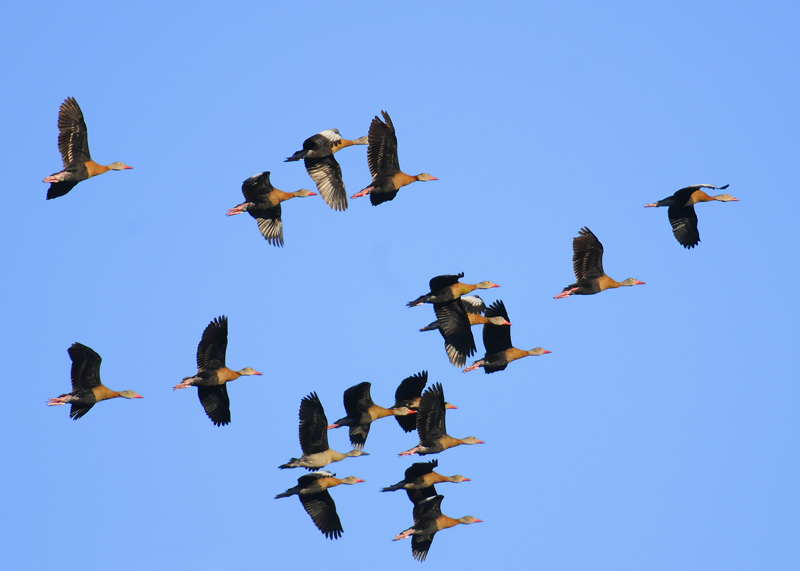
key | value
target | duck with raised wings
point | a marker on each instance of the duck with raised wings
(323, 168)
(212, 374)
(497, 342)
(431, 427)
(314, 438)
(419, 481)
(428, 519)
(73, 143)
(362, 412)
(408, 394)
(455, 324)
(384, 166)
(87, 390)
(587, 263)
(312, 489)
(263, 202)
(447, 288)
(681, 212)
(470, 304)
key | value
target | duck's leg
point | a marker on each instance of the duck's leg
(364, 192)
(473, 366)
(239, 209)
(407, 533)
(185, 383)
(410, 452)
(566, 293)
(57, 177)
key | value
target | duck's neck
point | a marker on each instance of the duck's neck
(477, 319)
(605, 282)
(94, 169)
(445, 521)
(349, 143)
(104, 393)
(448, 441)
(701, 196)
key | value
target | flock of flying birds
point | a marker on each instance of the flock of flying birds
(415, 408)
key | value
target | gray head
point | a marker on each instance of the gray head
(118, 166)
(472, 440)
(356, 452)
(402, 411)
(726, 198)
(538, 351)
(458, 478)
(498, 320)
(469, 519)
(486, 285)
(248, 371)
(304, 192)
(631, 282)
(130, 395)
(352, 480)
(425, 177)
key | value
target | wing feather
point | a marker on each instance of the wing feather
(496, 338)
(587, 257)
(216, 403)
(322, 510)
(382, 149)
(313, 425)
(213, 345)
(327, 175)
(73, 141)
(85, 372)
(431, 416)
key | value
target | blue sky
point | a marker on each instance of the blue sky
(661, 433)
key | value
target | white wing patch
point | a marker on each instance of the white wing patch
(332, 135)
(272, 229)
(328, 176)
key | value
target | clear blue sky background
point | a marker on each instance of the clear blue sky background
(660, 434)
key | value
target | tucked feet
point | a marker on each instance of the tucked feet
(407, 533)
(361, 193)
(566, 293)
(184, 384)
(473, 366)
(410, 452)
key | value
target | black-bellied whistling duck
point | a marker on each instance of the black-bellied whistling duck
(317, 153)
(263, 202)
(73, 143)
(384, 166)
(312, 489)
(212, 374)
(448, 288)
(420, 479)
(361, 412)
(587, 262)
(408, 394)
(433, 437)
(455, 325)
(497, 342)
(681, 212)
(314, 438)
(87, 390)
(470, 303)
(428, 519)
